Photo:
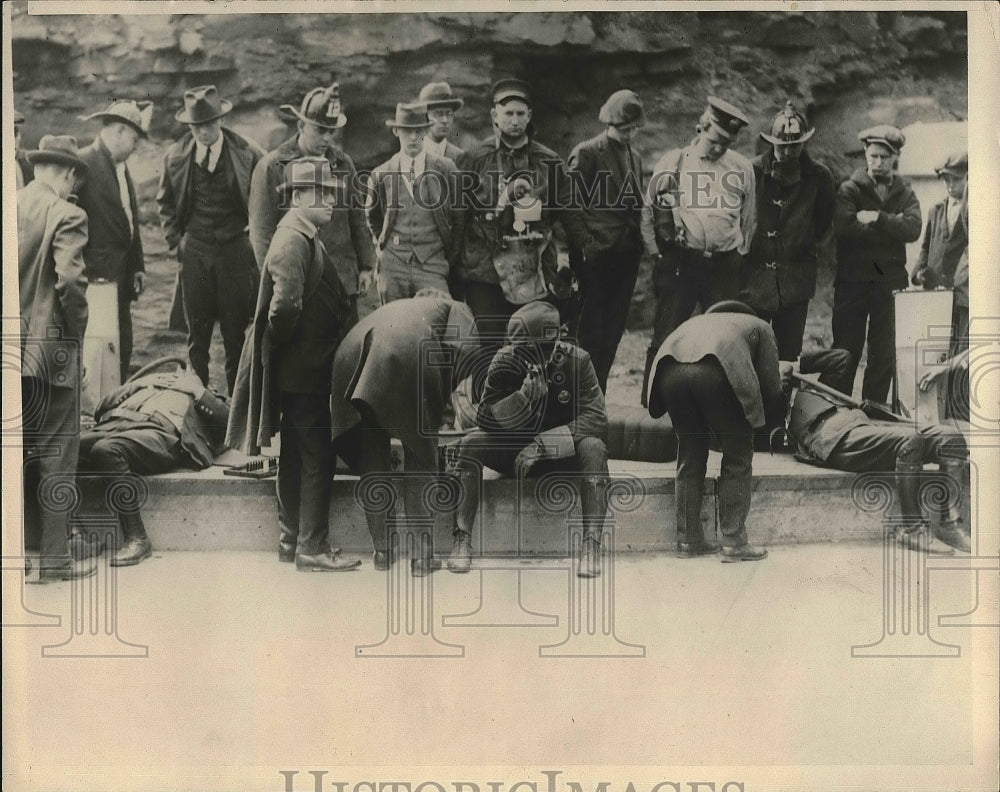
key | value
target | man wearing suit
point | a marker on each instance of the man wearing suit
(51, 236)
(345, 238)
(411, 211)
(441, 108)
(607, 173)
(24, 173)
(717, 373)
(203, 198)
(114, 252)
(151, 425)
(945, 238)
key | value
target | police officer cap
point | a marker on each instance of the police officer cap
(886, 134)
(726, 118)
(789, 127)
(511, 88)
(731, 306)
(622, 107)
(956, 163)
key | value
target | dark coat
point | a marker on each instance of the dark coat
(386, 366)
(780, 267)
(875, 253)
(941, 250)
(174, 196)
(51, 235)
(346, 239)
(114, 251)
(27, 169)
(437, 188)
(613, 204)
(483, 231)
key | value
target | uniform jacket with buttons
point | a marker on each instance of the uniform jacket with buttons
(780, 267)
(941, 249)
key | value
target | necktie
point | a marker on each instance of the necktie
(124, 195)
(203, 163)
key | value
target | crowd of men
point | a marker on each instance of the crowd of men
(462, 248)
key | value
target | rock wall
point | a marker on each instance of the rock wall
(846, 69)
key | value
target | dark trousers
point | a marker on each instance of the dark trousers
(219, 284)
(499, 452)
(125, 342)
(606, 286)
(789, 325)
(51, 431)
(855, 306)
(879, 445)
(683, 279)
(305, 471)
(701, 401)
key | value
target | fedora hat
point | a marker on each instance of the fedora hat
(59, 150)
(438, 96)
(307, 172)
(789, 127)
(321, 106)
(137, 115)
(202, 104)
(409, 116)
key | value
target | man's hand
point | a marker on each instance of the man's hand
(138, 283)
(534, 386)
(867, 216)
(931, 375)
(365, 278)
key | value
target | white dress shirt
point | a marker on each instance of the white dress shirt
(214, 151)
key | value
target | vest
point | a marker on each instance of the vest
(217, 214)
(415, 234)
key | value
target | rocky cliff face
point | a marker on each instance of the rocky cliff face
(846, 69)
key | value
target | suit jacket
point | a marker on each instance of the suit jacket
(114, 251)
(346, 239)
(876, 252)
(200, 427)
(174, 195)
(941, 249)
(437, 188)
(611, 198)
(745, 347)
(26, 168)
(51, 236)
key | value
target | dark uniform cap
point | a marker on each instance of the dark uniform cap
(789, 127)
(956, 163)
(511, 88)
(321, 106)
(726, 118)
(886, 134)
(622, 107)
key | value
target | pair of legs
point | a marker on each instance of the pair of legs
(789, 325)
(855, 306)
(398, 280)
(219, 285)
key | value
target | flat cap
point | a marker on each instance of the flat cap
(956, 163)
(622, 107)
(886, 134)
(511, 88)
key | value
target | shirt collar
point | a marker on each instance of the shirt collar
(213, 151)
(418, 162)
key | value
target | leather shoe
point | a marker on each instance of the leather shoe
(325, 562)
(383, 559)
(74, 571)
(921, 540)
(460, 560)
(695, 549)
(421, 567)
(135, 549)
(286, 552)
(81, 547)
(743, 553)
(954, 535)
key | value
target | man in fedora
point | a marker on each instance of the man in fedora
(507, 167)
(607, 172)
(698, 221)
(411, 214)
(23, 173)
(114, 251)
(51, 237)
(795, 198)
(284, 381)
(945, 238)
(345, 237)
(203, 203)
(441, 108)
(876, 214)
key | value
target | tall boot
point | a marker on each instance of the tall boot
(953, 530)
(916, 534)
(136, 546)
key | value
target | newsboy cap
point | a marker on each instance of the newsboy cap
(511, 88)
(886, 134)
(956, 163)
(622, 107)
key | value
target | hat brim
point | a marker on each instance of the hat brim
(332, 184)
(225, 107)
(882, 142)
(291, 113)
(778, 142)
(951, 171)
(115, 117)
(391, 123)
(504, 96)
(445, 104)
(55, 158)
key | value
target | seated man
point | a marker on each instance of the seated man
(542, 408)
(832, 430)
(152, 425)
